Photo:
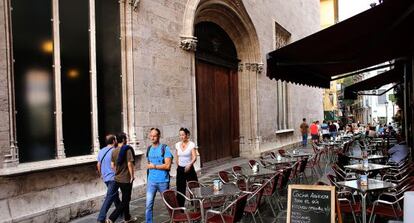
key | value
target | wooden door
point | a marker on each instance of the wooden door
(217, 111)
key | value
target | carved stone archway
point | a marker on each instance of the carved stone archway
(232, 17)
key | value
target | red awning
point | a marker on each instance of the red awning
(382, 33)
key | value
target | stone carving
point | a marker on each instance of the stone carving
(255, 67)
(188, 43)
(282, 36)
(259, 68)
(238, 2)
(247, 65)
(134, 4)
(240, 68)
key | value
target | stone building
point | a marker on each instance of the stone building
(73, 71)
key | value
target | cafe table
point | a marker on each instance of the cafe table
(298, 153)
(249, 174)
(281, 160)
(207, 192)
(330, 147)
(370, 157)
(371, 167)
(372, 185)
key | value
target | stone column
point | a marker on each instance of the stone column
(11, 159)
(60, 153)
(189, 44)
(127, 76)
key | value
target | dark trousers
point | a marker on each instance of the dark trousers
(112, 196)
(126, 189)
(182, 179)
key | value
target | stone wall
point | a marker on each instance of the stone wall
(57, 195)
(163, 87)
(300, 18)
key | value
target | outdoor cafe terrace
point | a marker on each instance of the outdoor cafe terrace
(344, 179)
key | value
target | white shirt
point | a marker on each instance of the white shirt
(337, 126)
(184, 157)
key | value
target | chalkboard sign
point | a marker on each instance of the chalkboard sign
(311, 203)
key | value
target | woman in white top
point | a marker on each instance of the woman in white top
(186, 155)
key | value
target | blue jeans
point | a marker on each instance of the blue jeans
(304, 139)
(112, 196)
(152, 189)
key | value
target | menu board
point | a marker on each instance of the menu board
(311, 203)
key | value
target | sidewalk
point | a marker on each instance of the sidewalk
(137, 206)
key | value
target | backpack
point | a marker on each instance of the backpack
(163, 146)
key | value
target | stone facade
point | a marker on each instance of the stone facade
(158, 61)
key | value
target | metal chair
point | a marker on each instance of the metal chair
(177, 213)
(386, 208)
(232, 213)
(270, 191)
(252, 163)
(273, 155)
(209, 203)
(224, 177)
(302, 168)
(347, 206)
(253, 202)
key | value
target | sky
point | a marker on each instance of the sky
(349, 8)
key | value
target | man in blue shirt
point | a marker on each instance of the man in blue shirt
(159, 164)
(107, 174)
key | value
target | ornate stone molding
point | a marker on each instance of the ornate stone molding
(240, 67)
(254, 67)
(259, 68)
(188, 43)
(248, 66)
(134, 4)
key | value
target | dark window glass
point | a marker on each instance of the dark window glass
(108, 63)
(33, 75)
(76, 102)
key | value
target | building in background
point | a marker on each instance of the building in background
(366, 109)
(330, 16)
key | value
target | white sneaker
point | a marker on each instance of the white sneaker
(133, 219)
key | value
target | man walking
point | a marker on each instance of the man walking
(123, 163)
(159, 163)
(108, 175)
(304, 129)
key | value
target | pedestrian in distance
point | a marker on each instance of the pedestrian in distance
(325, 130)
(108, 176)
(304, 130)
(314, 130)
(186, 155)
(158, 170)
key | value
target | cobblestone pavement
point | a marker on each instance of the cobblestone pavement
(207, 175)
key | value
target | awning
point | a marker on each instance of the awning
(392, 76)
(382, 33)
